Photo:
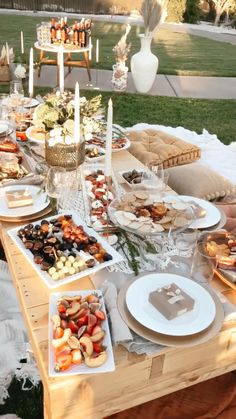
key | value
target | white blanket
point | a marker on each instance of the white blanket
(215, 154)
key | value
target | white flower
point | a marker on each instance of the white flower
(88, 136)
(82, 100)
(69, 140)
(55, 132)
(20, 71)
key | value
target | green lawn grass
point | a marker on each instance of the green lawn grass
(217, 116)
(178, 53)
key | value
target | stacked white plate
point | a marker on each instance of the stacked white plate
(193, 327)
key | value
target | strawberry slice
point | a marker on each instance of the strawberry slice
(82, 321)
(72, 326)
(61, 308)
(97, 347)
(100, 314)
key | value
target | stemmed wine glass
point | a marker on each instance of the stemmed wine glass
(55, 184)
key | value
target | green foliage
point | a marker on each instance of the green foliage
(176, 9)
(192, 12)
(25, 404)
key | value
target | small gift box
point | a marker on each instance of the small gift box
(171, 301)
(18, 198)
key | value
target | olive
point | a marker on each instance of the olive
(90, 263)
(44, 222)
(92, 239)
(107, 257)
(67, 217)
(37, 227)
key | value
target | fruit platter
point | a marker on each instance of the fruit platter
(142, 213)
(63, 249)
(97, 196)
(79, 334)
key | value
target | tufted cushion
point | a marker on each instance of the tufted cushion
(153, 146)
(198, 180)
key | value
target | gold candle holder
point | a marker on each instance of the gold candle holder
(63, 155)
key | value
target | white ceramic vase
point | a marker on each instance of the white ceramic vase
(144, 66)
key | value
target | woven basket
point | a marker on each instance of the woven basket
(62, 155)
(5, 74)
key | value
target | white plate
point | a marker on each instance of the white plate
(26, 102)
(189, 323)
(212, 216)
(108, 366)
(116, 257)
(30, 136)
(3, 128)
(40, 201)
(125, 147)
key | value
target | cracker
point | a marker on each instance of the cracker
(180, 221)
(181, 206)
(141, 195)
(121, 219)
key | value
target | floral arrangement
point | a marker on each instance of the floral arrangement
(20, 71)
(56, 117)
(153, 12)
(121, 49)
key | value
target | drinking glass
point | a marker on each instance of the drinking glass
(149, 250)
(55, 183)
(16, 93)
(157, 169)
(203, 265)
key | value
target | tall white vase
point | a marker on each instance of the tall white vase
(144, 66)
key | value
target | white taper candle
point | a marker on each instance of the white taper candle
(97, 51)
(22, 42)
(31, 73)
(77, 114)
(90, 48)
(108, 165)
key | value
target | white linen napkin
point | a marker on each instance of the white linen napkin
(121, 334)
(120, 331)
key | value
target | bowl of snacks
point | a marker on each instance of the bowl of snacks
(143, 213)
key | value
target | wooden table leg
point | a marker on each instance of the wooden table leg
(69, 59)
(41, 57)
(87, 64)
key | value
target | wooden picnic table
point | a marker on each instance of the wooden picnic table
(137, 378)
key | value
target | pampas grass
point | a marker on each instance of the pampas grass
(152, 12)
